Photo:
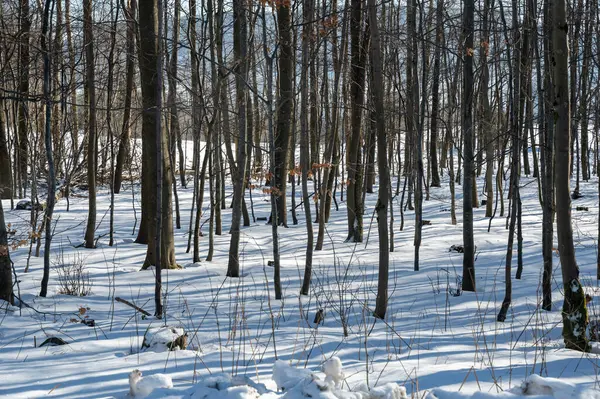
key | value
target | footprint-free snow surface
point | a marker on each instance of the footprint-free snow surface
(435, 342)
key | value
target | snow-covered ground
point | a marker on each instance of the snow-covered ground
(430, 340)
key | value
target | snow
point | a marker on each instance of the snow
(533, 386)
(431, 342)
(287, 377)
(159, 339)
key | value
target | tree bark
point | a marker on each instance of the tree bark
(485, 130)
(468, 282)
(285, 105)
(382, 163)
(155, 144)
(6, 282)
(358, 48)
(239, 173)
(435, 95)
(92, 153)
(575, 317)
(48, 144)
(307, 37)
(126, 127)
(6, 189)
(25, 26)
(546, 120)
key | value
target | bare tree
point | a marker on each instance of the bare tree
(92, 153)
(285, 102)
(156, 179)
(25, 27)
(307, 37)
(574, 313)
(468, 281)
(239, 173)
(382, 162)
(48, 144)
(6, 282)
(515, 80)
(358, 47)
(546, 122)
(435, 94)
(6, 190)
(126, 126)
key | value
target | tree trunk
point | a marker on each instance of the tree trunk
(126, 127)
(92, 153)
(6, 282)
(331, 147)
(114, 11)
(584, 83)
(515, 80)
(24, 26)
(382, 163)
(486, 124)
(48, 144)
(353, 161)
(285, 105)
(435, 94)
(161, 250)
(575, 316)
(5, 164)
(76, 148)
(307, 35)
(545, 120)
(468, 282)
(239, 172)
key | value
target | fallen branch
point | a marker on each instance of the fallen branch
(132, 305)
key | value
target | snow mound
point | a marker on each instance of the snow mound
(293, 383)
(390, 390)
(551, 387)
(233, 392)
(224, 386)
(302, 383)
(533, 386)
(162, 339)
(216, 386)
(312, 387)
(286, 376)
(439, 393)
(554, 388)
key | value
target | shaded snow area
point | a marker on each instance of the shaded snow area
(226, 338)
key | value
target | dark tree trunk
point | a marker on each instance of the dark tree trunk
(574, 313)
(468, 282)
(546, 120)
(156, 181)
(48, 144)
(126, 127)
(25, 26)
(382, 163)
(6, 190)
(307, 34)
(92, 154)
(285, 105)
(6, 282)
(435, 94)
(239, 172)
(358, 48)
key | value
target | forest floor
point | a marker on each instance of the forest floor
(434, 335)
